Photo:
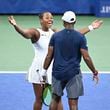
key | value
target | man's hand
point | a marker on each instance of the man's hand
(96, 24)
(95, 77)
(12, 20)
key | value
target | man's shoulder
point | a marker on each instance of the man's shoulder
(77, 32)
(58, 33)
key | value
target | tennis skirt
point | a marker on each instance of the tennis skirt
(33, 75)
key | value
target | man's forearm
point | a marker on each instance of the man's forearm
(90, 64)
(84, 30)
(47, 62)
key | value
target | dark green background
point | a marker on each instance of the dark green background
(16, 53)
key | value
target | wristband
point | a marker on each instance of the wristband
(95, 74)
(90, 27)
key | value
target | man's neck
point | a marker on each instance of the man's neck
(69, 27)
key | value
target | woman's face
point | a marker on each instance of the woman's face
(47, 20)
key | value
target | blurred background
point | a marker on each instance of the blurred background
(16, 53)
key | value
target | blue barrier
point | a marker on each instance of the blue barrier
(102, 8)
(37, 6)
(97, 7)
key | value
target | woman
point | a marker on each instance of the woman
(40, 38)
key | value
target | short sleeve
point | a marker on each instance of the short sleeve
(51, 43)
(83, 43)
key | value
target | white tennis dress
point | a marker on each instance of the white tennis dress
(41, 49)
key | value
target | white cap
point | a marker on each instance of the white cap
(69, 17)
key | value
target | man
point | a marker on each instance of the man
(66, 48)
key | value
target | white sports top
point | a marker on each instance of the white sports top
(41, 46)
(41, 49)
